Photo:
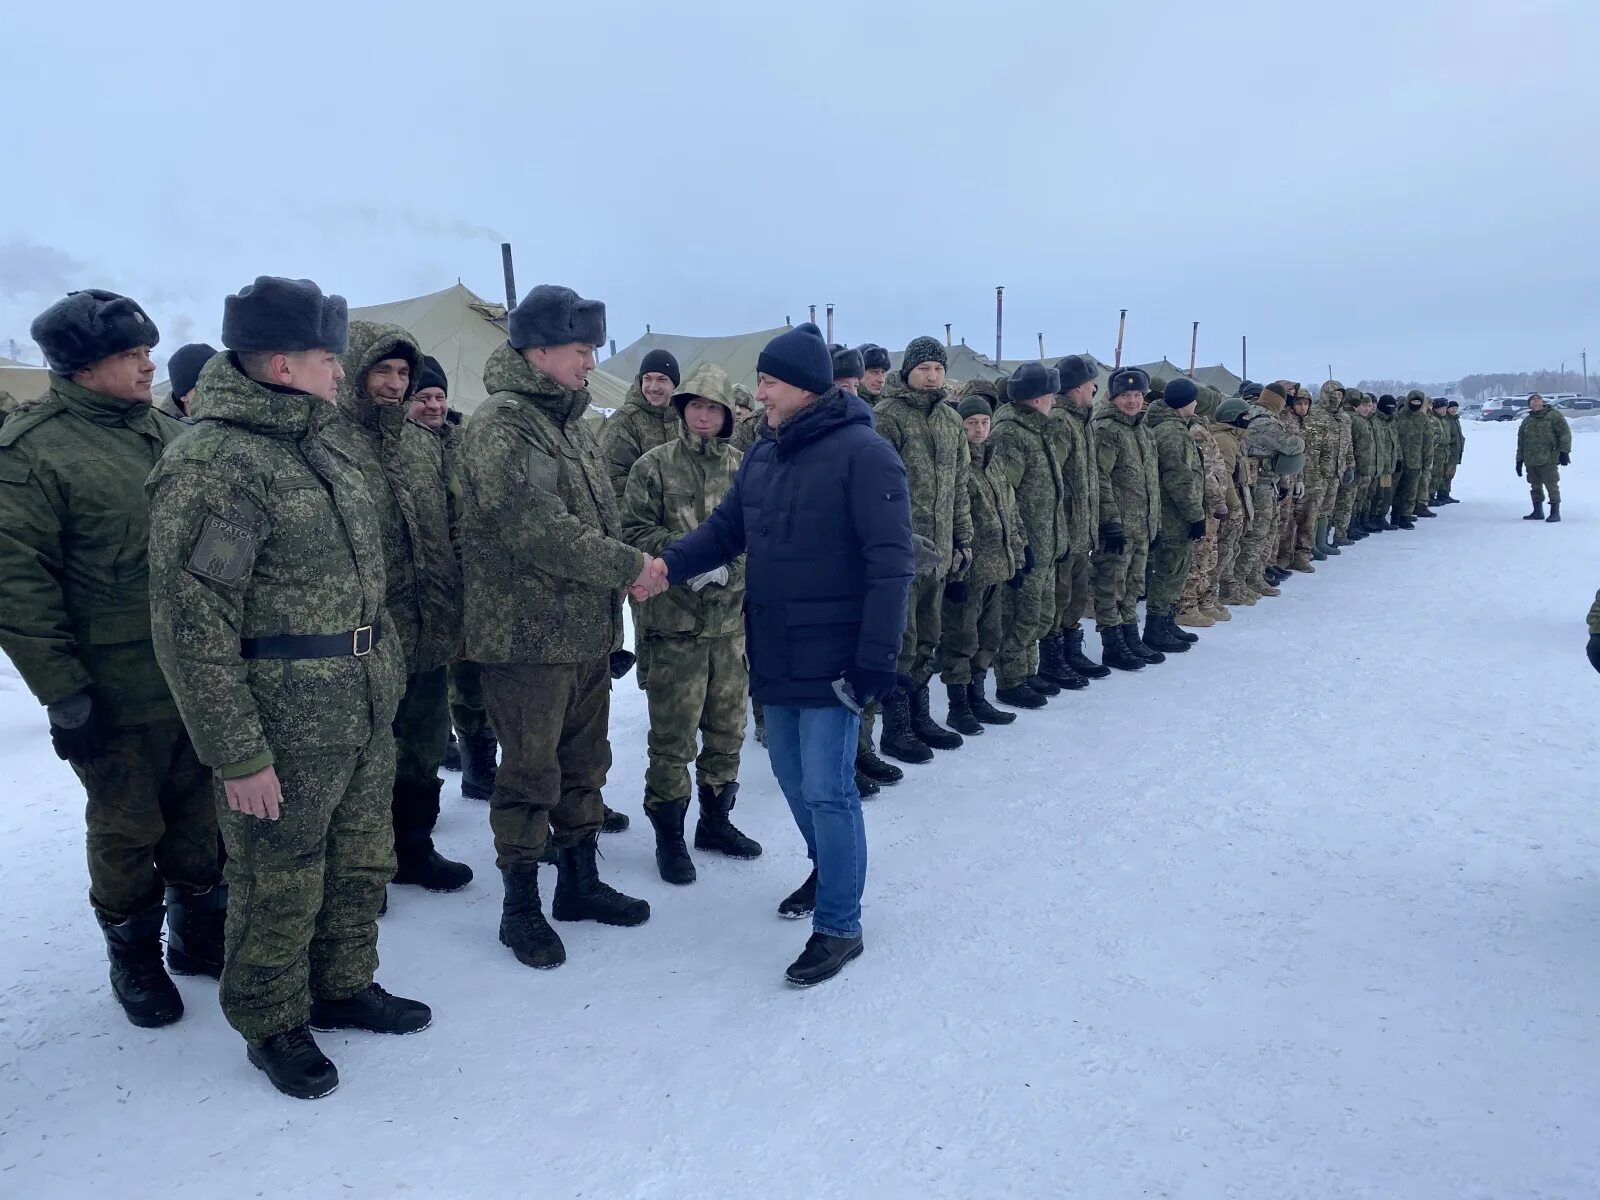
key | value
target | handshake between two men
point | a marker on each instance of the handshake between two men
(653, 581)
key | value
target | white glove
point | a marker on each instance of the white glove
(1299, 489)
(719, 577)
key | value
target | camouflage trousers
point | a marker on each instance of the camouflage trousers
(422, 727)
(1328, 499)
(304, 890)
(1169, 570)
(151, 818)
(1074, 590)
(1291, 513)
(641, 659)
(1441, 472)
(1382, 498)
(1407, 486)
(1119, 578)
(1027, 615)
(553, 721)
(1424, 478)
(972, 633)
(467, 713)
(697, 685)
(1353, 499)
(1260, 536)
(1202, 569)
(1230, 543)
(924, 609)
(1545, 479)
(869, 721)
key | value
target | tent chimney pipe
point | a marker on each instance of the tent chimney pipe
(830, 324)
(1122, 324)
(813, 314)
(1041, 347)
(511, 279)
(647, 328)
(1244, 356)
(1194, 346)
(947, 340)
(613, 353)
(999, 320)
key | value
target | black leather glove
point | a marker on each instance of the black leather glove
(76, 729)
(1016, 580)
(1027, 561)
(1111, 539)
(1197, 530)
(1566, 459)
(1593, 651)
(621, 663)
(869, 685)
(956, 591)
(1519, 469)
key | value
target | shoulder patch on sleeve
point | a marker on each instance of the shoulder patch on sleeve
(221, 550)
(542, 470)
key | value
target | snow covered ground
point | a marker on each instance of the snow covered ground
(1308, 912)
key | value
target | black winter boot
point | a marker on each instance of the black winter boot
(294, 1063)
(1141, 649)
(1043, 685)
(1020, 696)
(581, 895)
(195, 920)
(897, 739)
(1158, 638)
(801, 902)
(141, 984)
(1555, 513)
(1115, 652)
(929, 731)
(372, 1010)
(416, 810)
(961, 717)
(1538, 510)
(823, 958)
(1053, 665)
(874, 768)
(1175, 630)
(979, 703)
(478, 766)
(452, 754)
(523, 928)
(615, 822)
(1077, 660)
(714, 831)
(865, 787)
(672, 855)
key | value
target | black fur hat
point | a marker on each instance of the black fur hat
(661, 362)
(1128, 379)
(847, 363)
(874, 357)
(431, 374)
(83, 327)
(1075, 371)
(1181, 391)
(284, 316)
(183, 368)
(552, 315)
(1032, 380)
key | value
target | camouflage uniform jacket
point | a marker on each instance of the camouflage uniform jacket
(1022, 450)
(258, 528)
(1129, 475)
(1542, 438)
(1075, 448)
(1326, 438)
(1411, 436)
(403, 463)
(1216, 475)
(1363, 447)
(1458, 437)
(1179, 468)
(1229, 442)
(1267, 438)
(540, 530)
(74, 575)
(746, 430)
(169, 404)
(1386, 443)
(8, 404)
(997, 538)
(671, 491)
(932, 443)
(634, 428)
(1432, 439)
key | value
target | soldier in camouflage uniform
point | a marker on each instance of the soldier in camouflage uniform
(1431, 452)
(915, 419)
(1198, 607)
(1130, 512)
(1299, 495)
(183, 372)
(1544, 446)
(545, 567)
(75, 621)
(1024, 449)
(1228, 423)
(1458, 445)
(404, 465)
(1327, 460)
(1411, 437)
(1276, 451)
(1180, 474)
(645, 420)
(1386, 472)
(1341, 496)
(973, 618)
(694, 633)
(267, 588)
(871, 769)
(1442, 449)
(1354, 501)
(1061, 654)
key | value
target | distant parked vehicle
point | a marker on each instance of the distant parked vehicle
(1585, 403)
(1507, 408)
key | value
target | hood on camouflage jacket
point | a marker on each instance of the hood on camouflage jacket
(634, 428)
(1130, 484)
(1325, 434)
(1024, 450)
(1363, 447)
(259, 527)
(1411, 435)
(1543, 437)
(997, 537)
(74, 580)
(1218, 499)
(932, 443)
(671, 490)
(541, 533)
(1180, 470)
(404, 465)
(1277, 449)
(1237, 471)
(1075, 449)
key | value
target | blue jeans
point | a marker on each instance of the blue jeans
(813, 753)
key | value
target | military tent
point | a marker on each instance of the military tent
(25, 383)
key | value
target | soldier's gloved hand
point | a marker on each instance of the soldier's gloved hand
(1016, 580)
(76, 729)
(621, 663)
(1027, 561)
(717, 577)
(1593, 651)
(1111, 539)
(1348, 477)
(870, 685)
(1519, 468)
(928, 559)
(960, 561)
(1566, 459)
(956, 591)
(1197, 530)
(1300, 489)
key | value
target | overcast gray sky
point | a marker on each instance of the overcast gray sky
(1404, 188)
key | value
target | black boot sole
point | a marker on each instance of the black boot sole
(528, 961)
(883, 776)
(475, 792)
(795, 914)
(913, 758)
(320, 1027)
(180, 963)
(295, 1093)
(151, 1020)
(562, 913)
(711, 846)
(849, 958)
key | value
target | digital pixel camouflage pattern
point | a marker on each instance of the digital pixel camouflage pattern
(1180, 473)
(1411, 436)
(1542, 439)
(1268, 444)
(1357, 498)
(1386, 453)
(1022, 450)
(1130, 496)
(1075, 448)
(971, 630)
(633, 430)
(1227, 580)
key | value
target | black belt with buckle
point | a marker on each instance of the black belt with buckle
(357, 643)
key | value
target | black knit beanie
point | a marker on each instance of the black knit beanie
(431, 375)
(183, 368)
(1181, 392)
(922, 350)
(660, 362)
(975, 405)
(800, 358)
